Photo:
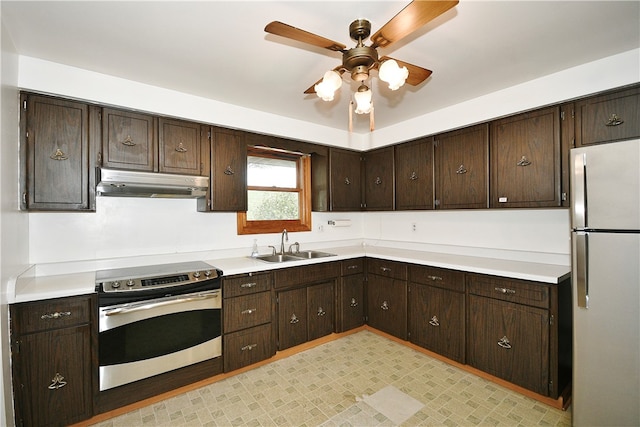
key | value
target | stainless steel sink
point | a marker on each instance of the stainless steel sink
(311, 254)
(278, 258)
(295, 256)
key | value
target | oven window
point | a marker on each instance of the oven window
(158, 336)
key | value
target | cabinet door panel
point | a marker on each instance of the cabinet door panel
(379, 179)
(58, 154)
(56, 376)
(436, 320)
(414, 175)
(179, 146)
(462, 169)
(246, 311)
(292, 318)
(387, 305)
(246, 347)
(510, 341)
(351, 302)
(321, 314)
(128, 140)
(228, 183)
(345, 181)
(525, 160)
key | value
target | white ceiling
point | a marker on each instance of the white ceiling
(219, 50)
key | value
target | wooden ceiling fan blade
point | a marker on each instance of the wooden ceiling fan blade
(312, 89)
(413, 16)
(416, 74)
(284, 30)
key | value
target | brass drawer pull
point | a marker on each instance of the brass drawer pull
(249, 311)
(56, 315)
(413, 176)
(434, 278)
(347, 181)
(354, 303)
(57, 382)
(352, 267)
(229, 170)
(180, 148)
(321, 311)
(385, 269)
(128, 141)
(58, 155)
(461, 170)
(523, 161)
(385, 305)
(614, 120)
(249, 285)
(294, 319)
(504, 343)
(249, 347)
(505, 290)
(434, 321)
(378, 180)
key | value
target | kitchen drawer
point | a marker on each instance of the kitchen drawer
(352, 266)
(247, 311)
(247, 347)
(306, 274)
(50, 314)
(511, 290)
(381, 267)
(244, 284)
(439, 277)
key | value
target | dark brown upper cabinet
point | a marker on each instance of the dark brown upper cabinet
(608, 118)
(414, 175)
(56, 154)
(462, 168)
(129, 140)
(228, 176)
(179, 147)
(525, 160)
(378, 179)
(345, 180)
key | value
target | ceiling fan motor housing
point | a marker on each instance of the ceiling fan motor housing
(360, 59)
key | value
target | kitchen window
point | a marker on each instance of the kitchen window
(278, 192)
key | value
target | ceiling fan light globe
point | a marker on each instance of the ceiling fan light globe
(333, 79)
(324, 91)
(393, 74)
(363, 101)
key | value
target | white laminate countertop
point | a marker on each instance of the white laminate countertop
(29, 287)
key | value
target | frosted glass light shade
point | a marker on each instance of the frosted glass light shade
(330, 83)
(392, 74)
(363, 101)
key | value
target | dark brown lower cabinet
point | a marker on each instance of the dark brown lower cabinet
(51, 354)
(387, 296)
(351, 295)
(305, 314)
(248, 346)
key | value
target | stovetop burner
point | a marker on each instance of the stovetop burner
(156, 280)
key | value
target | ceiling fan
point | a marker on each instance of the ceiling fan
(361, 59)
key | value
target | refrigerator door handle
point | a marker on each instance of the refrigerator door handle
(579, 191)
(582, 269)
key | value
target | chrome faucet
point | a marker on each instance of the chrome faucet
(284, 238)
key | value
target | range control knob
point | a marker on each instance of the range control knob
(130, 282)
(207, 273)
(115, 285)
(196, 274)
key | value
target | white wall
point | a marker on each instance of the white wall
(14, 232)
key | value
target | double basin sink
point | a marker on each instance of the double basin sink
(293, 256)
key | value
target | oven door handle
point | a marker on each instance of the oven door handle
(146, 305)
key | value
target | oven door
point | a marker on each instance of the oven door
(146, 338)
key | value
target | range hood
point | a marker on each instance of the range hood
(122, 183)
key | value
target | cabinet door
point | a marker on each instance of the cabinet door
(414, 175)
(292, 318)
(378, 175)
(128, 140)
(607, 118)
(345, 180)
(55, 376)
(321, 311)
(510, 341)
(57, 154)
(179, 146)
(387, 305)
(351, 302)
(525, 160)
(436, 320)
(462, 169)
(228, 183)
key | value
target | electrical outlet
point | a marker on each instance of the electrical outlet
(413, 226)
(321, 228)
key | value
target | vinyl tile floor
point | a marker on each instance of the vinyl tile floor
(362, 379)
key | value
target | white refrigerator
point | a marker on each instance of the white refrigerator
(605, 210)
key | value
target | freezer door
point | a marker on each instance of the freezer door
(605, 186)
(606, 335)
